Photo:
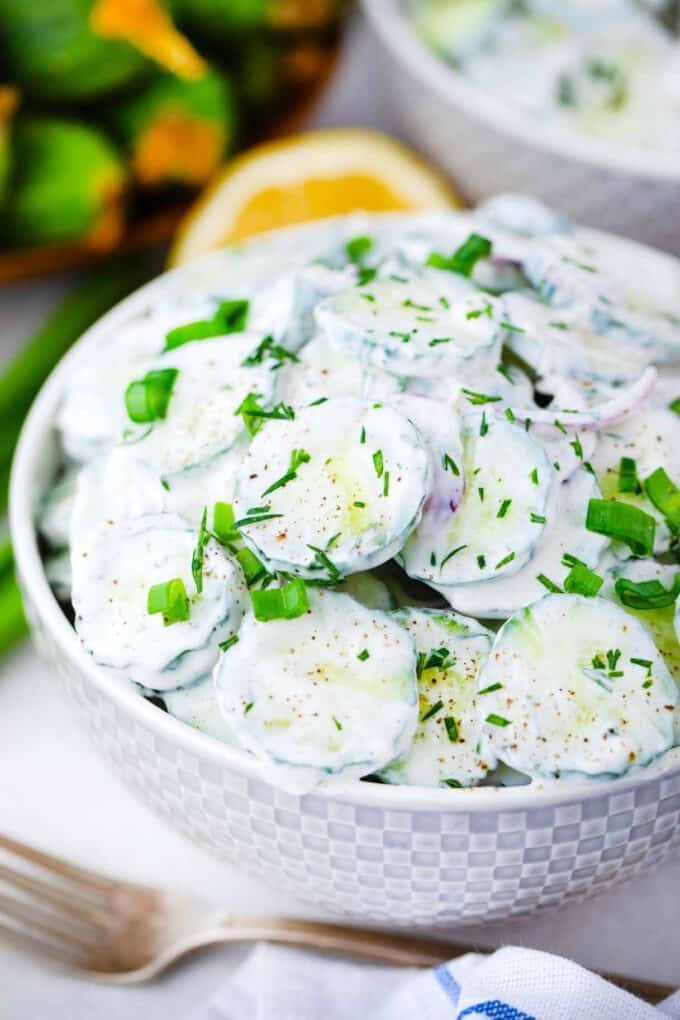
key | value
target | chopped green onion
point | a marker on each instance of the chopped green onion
(628, 481)
(378, 463)
(223, 523)
(147, 399)
(665, 496)
(647, 595)
(623, 522)
(253, 569)
(230, 317)
(465, 258)
(233, 315)
(582, 581)
(284, 603)
(366, 274)
(170, 599)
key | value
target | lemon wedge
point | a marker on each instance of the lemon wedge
(308, 177)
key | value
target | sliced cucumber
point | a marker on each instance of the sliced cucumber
(58, 574)
(451, 651)
(114, 487)
(190, 492)
(631, 293)
(564, 342)
(368, 589)
(499, 522)
(111, 581)
(326, 371)
(569, 696)
(54, 521)
(197, 706)
(203, 418)
(345, 481)
(660, 623)
(650, 438)
(433, 323)
(331, 694)
(285, 310)
(565, 533)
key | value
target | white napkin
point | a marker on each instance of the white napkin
(279, 983)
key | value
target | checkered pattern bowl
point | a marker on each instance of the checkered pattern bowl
(487, 146)
(390, 854)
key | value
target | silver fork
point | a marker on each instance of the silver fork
(126, 933)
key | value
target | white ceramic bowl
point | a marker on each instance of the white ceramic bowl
(487, 146)
(392, 854)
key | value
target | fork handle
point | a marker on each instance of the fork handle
(384, 947)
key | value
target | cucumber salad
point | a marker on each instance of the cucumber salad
(608, 69)
(388, 497)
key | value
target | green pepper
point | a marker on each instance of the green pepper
(67, 183)
(83, 49)
(176, 131)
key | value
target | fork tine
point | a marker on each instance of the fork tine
(59, 866)
(68, 956)
(78, 907)
(55, 925)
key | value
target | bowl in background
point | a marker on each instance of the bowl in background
(487, 146)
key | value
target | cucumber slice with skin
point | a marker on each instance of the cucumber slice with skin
(368, 589)
(565, 533)
(451, 651)
(54, 520)
(522, 215)
(431, 324)
(197, 706)
(325, 371)
(329, 695)
(203, 418)
(355, 495)
(491, 532)
(633, 301)
(661, 624)
(112, 576)
(570, 699)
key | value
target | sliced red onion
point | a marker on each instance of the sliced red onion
(611, 411)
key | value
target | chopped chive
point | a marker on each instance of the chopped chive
(550, 585)
(510, 415)
(480, 493)
(481, 561)
(450, 464)
(359, 503)
(497, 720)
(480, 398)
(378, 463)
(268, 349)
(512, 328)
(297, 458)
(386, 483)
(248, 707)
(199, 550)
(321, 561)
(537, 518)
(647, 684)
(431, 711)
(577, 448)
(674, 406)
(491, 688)
(170, 599)
(315, 403)
(362, 438)
(338, 724)
(436, 340)
(646, 663)
(451, 728)
(506, 559)
(363, 655)
(484, 426)
(451, 555)
(455, 784)
(366, 274)
(504, 507)
(224, 645)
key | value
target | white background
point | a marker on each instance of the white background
(56, 792)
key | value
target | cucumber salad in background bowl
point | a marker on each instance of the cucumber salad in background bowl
(358, 547)
(577, 101)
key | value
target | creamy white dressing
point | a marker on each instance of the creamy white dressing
(610, 71)
(367, 411)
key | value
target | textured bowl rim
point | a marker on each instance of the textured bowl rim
(392, 27)
(38, 433)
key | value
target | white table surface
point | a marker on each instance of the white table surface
(56, 792)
